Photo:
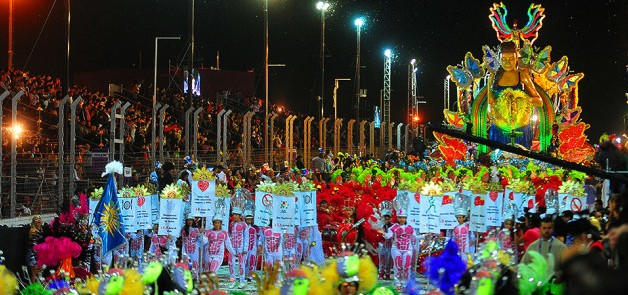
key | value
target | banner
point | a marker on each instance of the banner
(127, 213)
(494, 208)
(517, 199)
(143, 213)
(212, 212)
(170, 222)
(414, 210)
(202, 192)
(154, 208)
(571, 203)
(283, 211)
(447, 212)
(307, 208)
(263, 206)
(430, 213)
(477, 221)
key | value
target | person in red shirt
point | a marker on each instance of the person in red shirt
(532, 233)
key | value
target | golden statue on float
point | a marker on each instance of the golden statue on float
(517, 95)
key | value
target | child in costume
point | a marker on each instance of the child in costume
(136, 245)
(461, 233)
(216, 240)
(158, 243)
(239, 239)
(251, 244)
(190, 241)
(402, 236)
(384, 247)
(271, 243)
(290, 248)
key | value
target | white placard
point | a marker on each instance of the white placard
(154, 208)
(170, 222)
(263, 206)
(477, 221)
(447, 212)
(494, 208)
(571, 203)
(128, 171)
(307, 206)
(430, 212)
(127, 213)
(202, 192)
(284, 210)
(143, 212)
(414, 208)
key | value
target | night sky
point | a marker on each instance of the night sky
(120, 33)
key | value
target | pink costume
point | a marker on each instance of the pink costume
(190, 244)
(383, 253)
(251, 250)
(401, 251)
(156, 243)
(304, 243)
(238, 236)
(463, 237)
(290, 249)
(215, 250)
(271, 242)
(137, 245)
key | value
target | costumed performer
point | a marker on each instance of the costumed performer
(290, 248)
(351, 274)
(385, 246)
(402, 236)
(239, 239)
(271, 244)
(190, 241)
(136, 245)
(159, 244)
(217, 240)
(251, 243)
(464, 238)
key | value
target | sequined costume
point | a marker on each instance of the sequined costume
(401, 251)
(239, 237)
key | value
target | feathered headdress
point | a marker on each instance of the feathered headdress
(239, 199)
(113, 166)
(385, 208)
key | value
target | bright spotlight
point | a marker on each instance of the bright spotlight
(413, 61)
(323, 6)
(388, 53)
(415, 119)
(17, 130)
(535, 117)
(359, 22)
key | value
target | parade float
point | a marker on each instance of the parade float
(516, 94)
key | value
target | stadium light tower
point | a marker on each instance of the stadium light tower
(322, 6)
(386, 98)
(359, 22)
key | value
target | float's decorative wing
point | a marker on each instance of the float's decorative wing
(535, 22)
(498, 20)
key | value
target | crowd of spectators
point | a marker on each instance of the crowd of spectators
(38, 112)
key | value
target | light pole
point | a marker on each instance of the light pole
(359, 22)
(10, 52)
(266, 75)
(154, 123)
(322, 7)
(336, 86)
(412, 104)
